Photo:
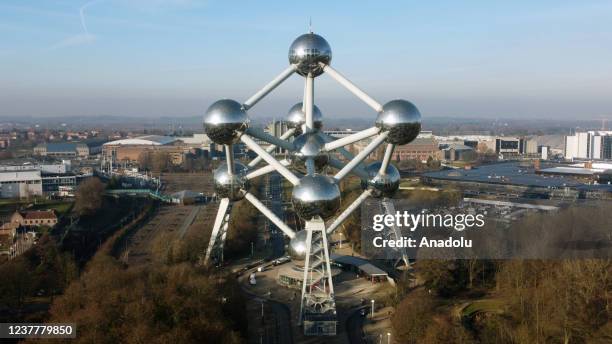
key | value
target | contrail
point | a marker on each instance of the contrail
(82, 15)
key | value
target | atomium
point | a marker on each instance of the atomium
(382, 185)
(307, 52)
(296, 118)
(309, 146)
(401, 119)
(316, 196)
(224, 121)
(231, 186)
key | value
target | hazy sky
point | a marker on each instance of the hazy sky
(549, 59)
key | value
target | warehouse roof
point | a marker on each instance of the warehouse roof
(150, 140)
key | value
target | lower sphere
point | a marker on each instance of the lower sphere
(316, 196)
(382, 185)
(231, 185)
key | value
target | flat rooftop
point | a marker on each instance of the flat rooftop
(518, 174)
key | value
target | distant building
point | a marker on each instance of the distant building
(277, 129)
(420, 149)
(589, 145)
(544, 151)
(20, 183)
(131, 150)
(62, 150)
(22, 178)
(515, 145)
(339, 133)
(5, 141)
(459, 152)
(34, 218)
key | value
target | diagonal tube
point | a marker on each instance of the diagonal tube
(270, 148)
(265, 170)
(269, 87)
(271, 139)
(387, 158)
(361, 156)
(345, 153)
(347, 140)
(221, 212)
(337, 164)
(269, 214)
(352, 88)
(292, 178)
(348, 211)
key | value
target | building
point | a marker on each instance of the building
(23, 178)
(62, 150)
(515, 145)
(523, 180)
(277, 129)
(20, 183)
(5, 141)
(420, 149)
(592, 144)
(132, 150)
(458, 152)
(34, 218)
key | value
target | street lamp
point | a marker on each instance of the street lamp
(372, 316)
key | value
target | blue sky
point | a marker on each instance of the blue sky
(548, 59)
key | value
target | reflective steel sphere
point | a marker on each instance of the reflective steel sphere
(382, 185)
(231, 186)
(297, 246)
(296, 118)
(402, 119)
(224, 120)
(316, 195)
(307, 51)
(309, 145)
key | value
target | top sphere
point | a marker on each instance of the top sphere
(296, 118)
(402, 119)
(307, 51)
(224, 121)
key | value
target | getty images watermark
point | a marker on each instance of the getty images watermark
(391, 228)
(404, 220)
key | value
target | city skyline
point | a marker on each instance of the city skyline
(174, 57)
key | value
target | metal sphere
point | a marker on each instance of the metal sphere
(402, 119)
(296, 118)
(309, 145)
(224, 121)
(382, 185)
(297, 246)
(231, 185)
(316, 195)
(307, 51)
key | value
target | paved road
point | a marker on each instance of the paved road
(189, 220)
(276, 328)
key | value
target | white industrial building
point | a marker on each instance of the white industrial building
(589, 145)
(22, 178)
(20, 183)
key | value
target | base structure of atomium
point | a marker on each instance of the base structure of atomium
(315, 195)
